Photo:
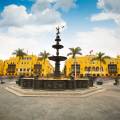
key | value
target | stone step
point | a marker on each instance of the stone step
(75, 93)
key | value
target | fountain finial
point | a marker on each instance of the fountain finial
(58, 30)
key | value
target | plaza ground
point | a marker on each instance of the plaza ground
(100, 106)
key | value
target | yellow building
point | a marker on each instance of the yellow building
(1, 67)
(85, 67)
(10, 66)
(29, 65)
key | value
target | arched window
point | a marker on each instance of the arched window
(86, 68)
(101, 68)
(93, 68)
(97, 68)
(89, 68)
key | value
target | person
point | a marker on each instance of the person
(116, 81)
(72, 77)
(1, 81)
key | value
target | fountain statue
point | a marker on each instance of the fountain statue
(57, 58)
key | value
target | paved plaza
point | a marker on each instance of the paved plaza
(104, 105)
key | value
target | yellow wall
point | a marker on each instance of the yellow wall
(25, 66)
(12, 60)
(1, 67)
(86, 61)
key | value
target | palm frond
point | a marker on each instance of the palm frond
(74, 51)
(78, 49)
(19, 52)
(106, 57)
(79, 53)
(40, 58)
(43, 55)
(95, 58)
(100, 57)
(69, 54)
(103, 61)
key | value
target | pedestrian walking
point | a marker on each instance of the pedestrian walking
(116, 81)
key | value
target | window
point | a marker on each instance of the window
(94, 75)
(98, 75)
(89, 69)
(77, 68)
(97, 68)
(106, 74)
(86, 69)
(112, 68)
(93, 68)
(101, 68)
(11, 68)
(81, 75)
(102, 74)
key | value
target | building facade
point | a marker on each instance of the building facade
(29, 65)
(85, 66)
(1, 67)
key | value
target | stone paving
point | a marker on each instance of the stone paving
(100, 106)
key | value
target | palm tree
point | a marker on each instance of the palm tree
(43, 56)
(74, 52)
(101, 58)
(19, 53)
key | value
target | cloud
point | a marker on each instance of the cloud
(112, 6)
(106, 16)
(65, 4)
(99, 39)
(110, 11)
(20, 29)
(40, 5)
(30, 30)
(42, 12)
(14, 15)
(31, 38)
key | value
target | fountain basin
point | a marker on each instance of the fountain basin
(57, 58)
(58, 46)
(51, 84)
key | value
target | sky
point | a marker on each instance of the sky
(31, 25)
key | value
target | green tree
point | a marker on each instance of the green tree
(73, 53)
(43, 56)
(101, 57)
(19, 53)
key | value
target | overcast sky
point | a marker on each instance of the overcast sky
(30, 24)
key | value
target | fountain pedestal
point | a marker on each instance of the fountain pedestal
(57, 58)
